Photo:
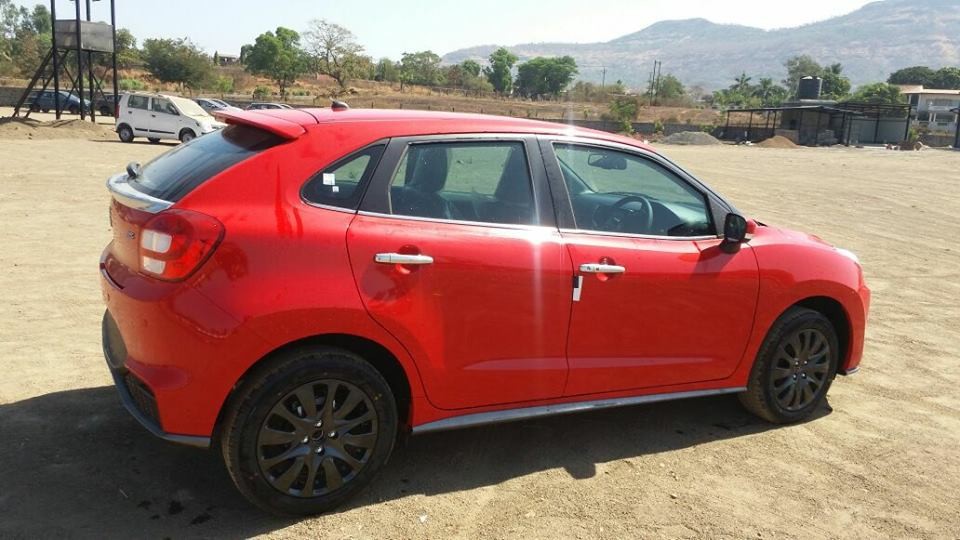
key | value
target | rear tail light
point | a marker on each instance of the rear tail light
(175, 243)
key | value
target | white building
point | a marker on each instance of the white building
(932, 108)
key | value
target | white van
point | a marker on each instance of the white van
(156, 117)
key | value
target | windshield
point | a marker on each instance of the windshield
(188, 107)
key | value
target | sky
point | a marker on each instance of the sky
(392, 27)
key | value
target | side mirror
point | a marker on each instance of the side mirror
(734, 229)
(608, 162)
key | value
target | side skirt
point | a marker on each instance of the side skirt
(511, 415)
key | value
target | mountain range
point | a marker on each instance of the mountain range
(870, 43)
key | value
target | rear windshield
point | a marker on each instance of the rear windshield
(178, 172)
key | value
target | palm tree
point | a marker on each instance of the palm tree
(743, 82)
(763, 89)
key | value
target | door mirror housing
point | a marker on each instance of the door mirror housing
(734, 229)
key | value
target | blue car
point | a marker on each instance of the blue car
(46, 101)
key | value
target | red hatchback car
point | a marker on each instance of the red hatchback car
(304, 286)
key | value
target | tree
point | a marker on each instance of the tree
(545, 76)
(770, 93)
(333, 51)
(919, 75)
(386, 70)
(277, 55)
(799, 67)
(127, 54)
(742, 83)
(177, 61)
(499, 72)
(472, 67)
(671, 87)
(421, 68)
(880, 93)
(623, 109)
(835, 85)
(947, 78)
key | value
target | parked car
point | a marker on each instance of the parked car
(258, 106)
(212, 105)
(106, 105)
(45, 101)
(157, 116)
(302, 287)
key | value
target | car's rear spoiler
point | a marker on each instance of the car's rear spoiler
(267, 122)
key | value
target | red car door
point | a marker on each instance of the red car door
(455, 252)
(660, 301)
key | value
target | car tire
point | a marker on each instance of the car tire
(187, 135)
(794, 369)
(275, 443)
(73, 109)
(125, 133)
(153, 140)
(34, 108)
(105, 111)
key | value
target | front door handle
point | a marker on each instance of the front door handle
(402, 258)
(597, 268)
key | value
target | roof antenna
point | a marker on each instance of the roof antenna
(338, 105)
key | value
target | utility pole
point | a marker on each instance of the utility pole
(56, 59)
(83, 115)
(93, 117)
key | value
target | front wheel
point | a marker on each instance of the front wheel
(187, 136)
(309, 430)
(794, 369)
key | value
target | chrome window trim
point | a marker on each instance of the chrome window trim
(526, 413)
(640, 236)
(124, 193)
(328, 207)
(458, 221)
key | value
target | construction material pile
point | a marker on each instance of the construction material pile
(695, 138)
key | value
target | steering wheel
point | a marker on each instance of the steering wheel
(617, 215)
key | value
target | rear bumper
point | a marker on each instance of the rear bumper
(135, 395)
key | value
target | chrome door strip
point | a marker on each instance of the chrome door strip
(510, 415)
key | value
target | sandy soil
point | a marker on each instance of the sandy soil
(881, 461)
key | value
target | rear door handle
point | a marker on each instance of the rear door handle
(401, 258)
(596, 268)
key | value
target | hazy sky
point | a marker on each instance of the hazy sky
(391, 27)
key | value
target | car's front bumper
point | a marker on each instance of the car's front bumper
(135, 395)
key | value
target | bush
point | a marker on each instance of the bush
(261, 92)
(131, 84)
(658, 126)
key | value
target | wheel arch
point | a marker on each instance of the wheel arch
(834, 311)
(379, 357)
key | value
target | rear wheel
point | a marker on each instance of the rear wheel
(794, 369)
(125, 133)
(187, 136)
(309, 431)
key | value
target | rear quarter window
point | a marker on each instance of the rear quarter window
(173, 175)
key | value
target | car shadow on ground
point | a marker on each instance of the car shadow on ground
(74, 463)
(162, 142)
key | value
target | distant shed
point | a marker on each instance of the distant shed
(820, 123)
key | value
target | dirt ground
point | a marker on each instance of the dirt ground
(883, 460)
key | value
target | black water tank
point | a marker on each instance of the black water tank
(810, 88)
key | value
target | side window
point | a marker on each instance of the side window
(466, 181)
(614, 191)
(138, 102)
(164, 106)
(341, 184)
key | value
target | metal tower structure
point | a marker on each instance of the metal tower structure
(87, 41)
